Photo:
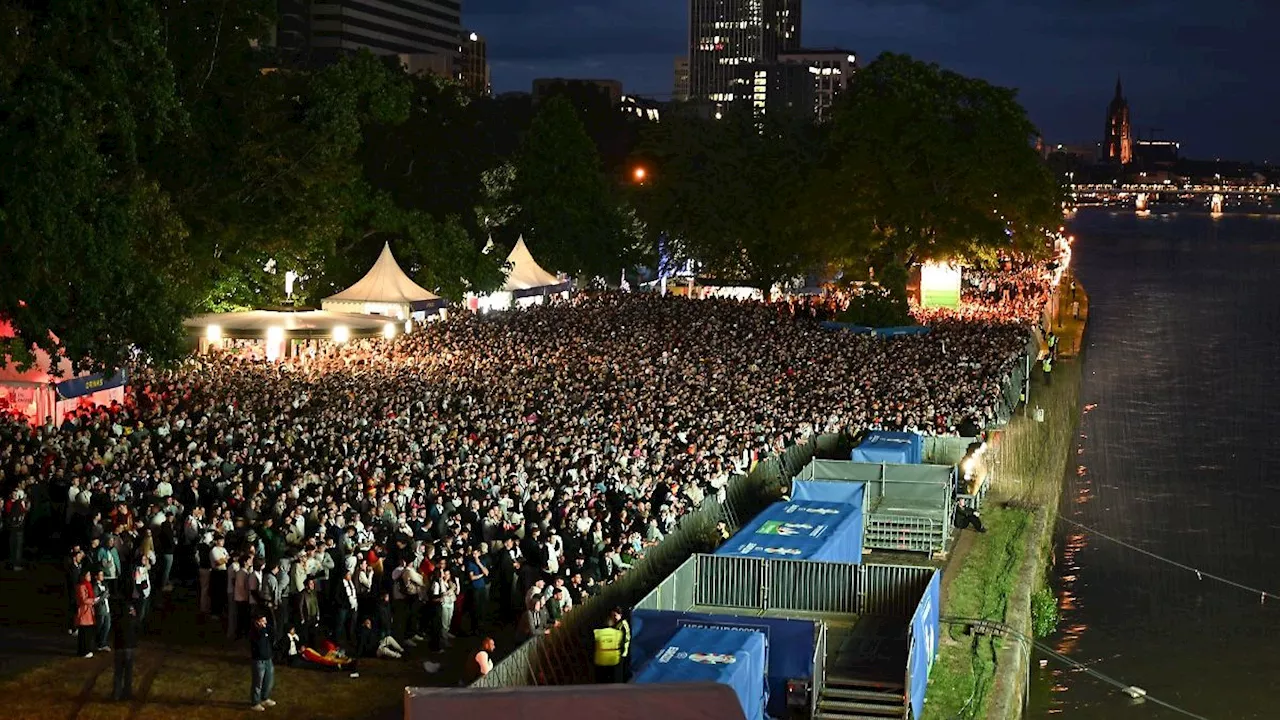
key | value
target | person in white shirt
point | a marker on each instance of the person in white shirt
(553, 551)
(142, 587)
(219, 560)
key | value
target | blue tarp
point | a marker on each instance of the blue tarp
(790, 644)
(736, 658)
(801, 530)
(887, 332)
(847, 327)
(835, 491)
(880, 446)
(901, 331)
(924, 642)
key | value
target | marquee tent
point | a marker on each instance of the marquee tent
(384, 290)
(526, 284)
(45, 391)
(729, 656)
(669, 701)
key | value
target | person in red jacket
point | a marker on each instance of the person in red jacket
(86, 621)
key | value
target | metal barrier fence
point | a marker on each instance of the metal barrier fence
(563, 656)
(819, 681)
(760, 584)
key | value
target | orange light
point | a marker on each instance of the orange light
(639, 174)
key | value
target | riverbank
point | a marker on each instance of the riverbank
(992, 576)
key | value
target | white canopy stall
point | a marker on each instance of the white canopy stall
(385, 290)
(527, 284)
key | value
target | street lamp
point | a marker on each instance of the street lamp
(639, 174)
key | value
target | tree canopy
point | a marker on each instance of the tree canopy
(924, 163)
(727, 193)
(568, 211)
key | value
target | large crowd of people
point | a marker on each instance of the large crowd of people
(482, 470)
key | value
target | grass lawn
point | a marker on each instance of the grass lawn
(965, 667)
(185, 667)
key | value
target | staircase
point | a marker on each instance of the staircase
(847, 698)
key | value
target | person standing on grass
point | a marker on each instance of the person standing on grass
(261, 647)
(86, 623)
(478, 573)
(102, 610)
(126, 642)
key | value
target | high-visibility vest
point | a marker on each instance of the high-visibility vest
(1048, 365)
(624, 627)
(608, 647)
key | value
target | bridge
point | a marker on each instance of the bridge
(1116, 189)
(1142, 194)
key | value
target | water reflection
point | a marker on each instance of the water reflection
(1176, 455)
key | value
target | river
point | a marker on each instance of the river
(1179, 454)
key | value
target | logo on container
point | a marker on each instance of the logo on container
(713, 658)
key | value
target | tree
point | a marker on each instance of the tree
(92, 245)
(569, 213)
(924, 163)
(727, 193)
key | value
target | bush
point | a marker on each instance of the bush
(1044, 613)
(875, 307)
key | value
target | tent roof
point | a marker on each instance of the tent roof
(525, 272)
(669, 701)
(385, 282)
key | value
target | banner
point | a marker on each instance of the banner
(90, 384)
(790, 644)
(924, 643)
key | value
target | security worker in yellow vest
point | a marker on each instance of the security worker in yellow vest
(624, 627)
(608, 655)
(1048, 369)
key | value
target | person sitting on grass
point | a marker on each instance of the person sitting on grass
(369, 643)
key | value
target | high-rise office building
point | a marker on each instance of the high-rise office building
(319, 32)
(729, 39)
(830, 71)
(473, 65)
(682, 80)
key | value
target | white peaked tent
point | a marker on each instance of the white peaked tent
(384, 290)
(527, 283)
(525, 272)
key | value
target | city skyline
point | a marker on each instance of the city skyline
(1195, 72)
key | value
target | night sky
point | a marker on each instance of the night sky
(1205, 73)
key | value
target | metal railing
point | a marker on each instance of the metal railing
(764, 584)
(905, 532)
(819, 683)
(563, 656)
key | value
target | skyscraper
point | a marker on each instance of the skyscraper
(831, 70)
(319, 32)
(681, 91)
(473, 66)
(1117, 140)
(729, 39)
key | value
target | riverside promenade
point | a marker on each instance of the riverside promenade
(993, 576)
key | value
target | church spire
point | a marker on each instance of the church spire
(1119, 89)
